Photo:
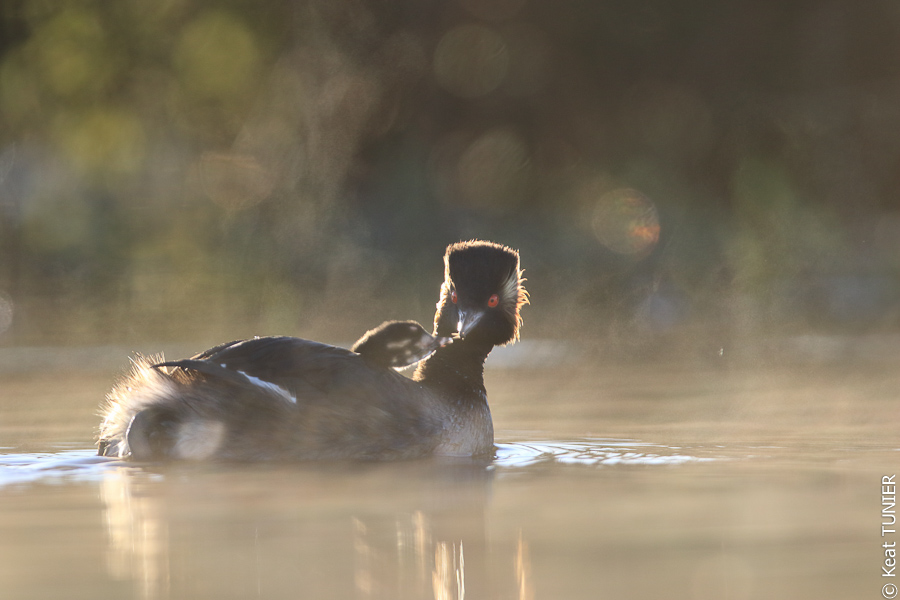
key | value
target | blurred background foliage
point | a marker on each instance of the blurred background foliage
(696, 172)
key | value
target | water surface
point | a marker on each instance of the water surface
(638, 482)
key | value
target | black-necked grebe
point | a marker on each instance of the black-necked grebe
(289, 398)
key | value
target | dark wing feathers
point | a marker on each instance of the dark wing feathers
(344, 406)
(291, 363)
(204, 366)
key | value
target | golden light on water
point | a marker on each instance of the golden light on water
(626, 222)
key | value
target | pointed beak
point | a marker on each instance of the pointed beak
(467, 321)
(433, 344)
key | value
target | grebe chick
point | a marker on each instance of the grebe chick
(285, 398)
(398, 344)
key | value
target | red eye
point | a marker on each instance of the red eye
(453, 297)
(493, 300)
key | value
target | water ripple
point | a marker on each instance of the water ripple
(85, 465)
(591, 452)
(49, 467)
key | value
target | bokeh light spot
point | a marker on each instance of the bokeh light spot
(470, 61)
(232, 181)
(217, 56)
(493, 172)
(19, 90)
(102, 141)
(71, 54)
(626, 222)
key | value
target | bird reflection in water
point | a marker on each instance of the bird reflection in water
(449, 576)
(137, 537)
(419, 563)
(208, 532)
(524, 583)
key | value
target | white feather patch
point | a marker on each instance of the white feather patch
(510, 291)
(268, 385)
(199, 440)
